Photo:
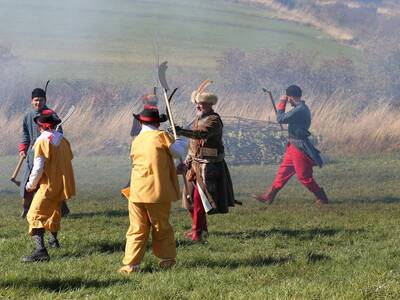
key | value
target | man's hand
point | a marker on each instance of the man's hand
(29, 189)
(22, 153)
(178, 129)
(283, 98)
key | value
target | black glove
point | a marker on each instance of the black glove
(178, 129)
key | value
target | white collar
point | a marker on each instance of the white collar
(54, 137)
(146, 127)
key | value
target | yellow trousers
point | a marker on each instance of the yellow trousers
(44, 213)
(142, 218)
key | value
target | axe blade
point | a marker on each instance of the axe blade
(18, 183)
(162, 69)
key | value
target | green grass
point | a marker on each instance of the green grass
(101, 39)
(290, 250)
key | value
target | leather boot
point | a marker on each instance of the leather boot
(37, 255)
(267, 197)
(322, 199)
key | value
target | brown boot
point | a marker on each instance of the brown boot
(268, 197)
(322, 199)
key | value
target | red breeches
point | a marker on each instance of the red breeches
(199, 218)
(296, 162)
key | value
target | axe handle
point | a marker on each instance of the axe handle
(274, 106)
(171, 121)
(18, 167)
(171, 117)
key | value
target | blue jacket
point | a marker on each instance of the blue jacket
(299, 121)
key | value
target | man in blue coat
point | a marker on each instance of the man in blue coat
(300, 155)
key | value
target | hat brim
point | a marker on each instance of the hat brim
(54, 123)
(145, 119)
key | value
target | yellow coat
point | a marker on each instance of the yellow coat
(56, 184)
(57, 181)
(153, 177)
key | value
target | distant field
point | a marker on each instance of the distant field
(291, 250)
(102, 39)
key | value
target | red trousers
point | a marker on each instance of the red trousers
(199, 218)
(296, 162)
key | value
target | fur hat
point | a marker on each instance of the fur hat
(200, 96)
(204, 97)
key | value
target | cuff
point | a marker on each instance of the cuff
(23, 147)
(282, 105)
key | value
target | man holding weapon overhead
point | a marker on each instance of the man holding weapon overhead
(300, 155)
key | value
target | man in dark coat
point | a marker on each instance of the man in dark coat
(30, 133)
(207, 169)
(300, 155)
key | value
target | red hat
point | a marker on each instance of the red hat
(150, 114)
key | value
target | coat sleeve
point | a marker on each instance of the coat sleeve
(290, 116)
(212, 126)
(26, 140)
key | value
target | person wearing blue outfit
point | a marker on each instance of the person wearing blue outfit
(300, 155)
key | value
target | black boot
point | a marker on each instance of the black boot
(53, 241)
(37, 255)
(40, 252)
(322, 199)
(64, 210)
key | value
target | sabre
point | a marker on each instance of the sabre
(273, 103)
(66, 117)
(163, 81)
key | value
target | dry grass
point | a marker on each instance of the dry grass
(95, 128)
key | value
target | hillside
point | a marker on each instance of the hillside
(355, 22)
(101, 57)
(107, 40)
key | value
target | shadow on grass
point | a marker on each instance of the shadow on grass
(259, 261)
(306, 234)
(108, 213)
(384, 200)
(316, 257)
(60, 285)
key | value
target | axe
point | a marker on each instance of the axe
(16, 171)
(273, 102)
(163, 81)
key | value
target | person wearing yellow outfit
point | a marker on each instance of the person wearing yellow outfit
(154, 186)
(52, 172)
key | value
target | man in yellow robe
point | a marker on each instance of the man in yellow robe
(52, 172)
(154, 186)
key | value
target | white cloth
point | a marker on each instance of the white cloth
(178, 147)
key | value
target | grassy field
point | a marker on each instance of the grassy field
(291, 250)
(100, 39)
